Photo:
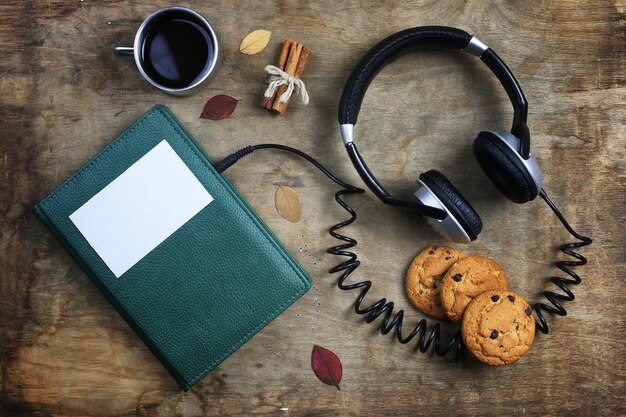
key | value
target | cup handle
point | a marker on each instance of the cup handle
(124, 50)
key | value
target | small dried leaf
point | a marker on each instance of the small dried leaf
(326, 365)
(255, 42)
(219, 107)
(288, 203)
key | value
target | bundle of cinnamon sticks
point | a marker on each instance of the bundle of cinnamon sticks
(292, 59)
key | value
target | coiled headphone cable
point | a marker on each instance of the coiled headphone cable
(425, 338)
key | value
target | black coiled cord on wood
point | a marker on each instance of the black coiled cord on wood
(382, 307)
(425, 339)
(565, 266)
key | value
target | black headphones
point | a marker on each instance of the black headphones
(504, 156)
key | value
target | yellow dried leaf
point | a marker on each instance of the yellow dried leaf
(255, 42)
(288, 203)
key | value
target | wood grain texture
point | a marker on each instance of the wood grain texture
(64, 351)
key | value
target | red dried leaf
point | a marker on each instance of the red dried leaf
(219, 107)
(326, 365)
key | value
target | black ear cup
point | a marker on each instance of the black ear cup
(454, 202)
(504, 167)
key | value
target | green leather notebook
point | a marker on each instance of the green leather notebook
(173, 246)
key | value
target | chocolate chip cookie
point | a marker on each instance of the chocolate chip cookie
(424, 276)
(466, 279)
(498, 327)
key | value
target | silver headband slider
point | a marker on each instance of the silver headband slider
(347, 133)
(476, 47)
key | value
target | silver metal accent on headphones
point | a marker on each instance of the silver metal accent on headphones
(347, 133)
(476, 47)
(531, 165)
(449, 228)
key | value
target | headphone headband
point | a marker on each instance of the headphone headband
(379, 55)
(443, 37)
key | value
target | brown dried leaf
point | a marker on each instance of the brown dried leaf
(288, 203)
(255, 42)
(219, 107)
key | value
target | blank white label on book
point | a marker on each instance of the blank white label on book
(141, 208)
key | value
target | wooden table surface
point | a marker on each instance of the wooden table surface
(64, 351)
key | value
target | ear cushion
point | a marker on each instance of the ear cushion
(504, 168)
(454, 202)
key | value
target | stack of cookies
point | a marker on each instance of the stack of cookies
(497, 324)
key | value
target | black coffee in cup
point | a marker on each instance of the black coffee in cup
(176, 52)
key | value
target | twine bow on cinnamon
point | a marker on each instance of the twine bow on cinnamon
(284, 78)
(279, 78)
